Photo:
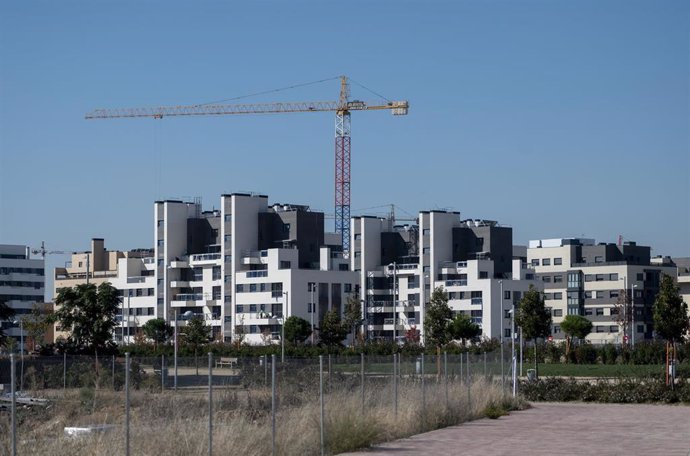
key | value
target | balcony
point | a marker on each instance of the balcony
(136, 279)
(149, 260)
(477, 301)
(204, 257)
(456, 283)
(253, 256)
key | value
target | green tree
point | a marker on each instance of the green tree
(158, 330)
(196, 334)
(37, 323)
(352, 316)
(462, 327)
(575, 326)
(437, 323)
(332, 331)
(6, 313)
(533, 318)
(670, 314)
(297, 329)
(88, 312)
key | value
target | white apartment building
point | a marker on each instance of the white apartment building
(247, 266)
(131, 272)
(400, 266)
(22, 284)
(580, 277)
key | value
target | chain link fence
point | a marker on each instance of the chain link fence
(204, 405)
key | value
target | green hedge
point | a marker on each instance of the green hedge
(627, 391)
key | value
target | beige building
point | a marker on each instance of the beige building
(131, 272)
(683, 265)
(588, 279)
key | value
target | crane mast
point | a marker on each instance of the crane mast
(342, 109)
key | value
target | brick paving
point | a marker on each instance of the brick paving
(558, 429)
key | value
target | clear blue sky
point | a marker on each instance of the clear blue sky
(559, 118)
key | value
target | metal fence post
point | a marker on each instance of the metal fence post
(13, 390)
(273, 405)
(362, 377)
(445, 374)
(265, 370)
(64, 371)
(395, 384)
(423, 387)
(127, 404)
(210, 403)
(469, 385)
(113, 372)
(323, 447)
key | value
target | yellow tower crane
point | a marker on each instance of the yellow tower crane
(342, 109)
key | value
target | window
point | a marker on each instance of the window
(640, 328)
(286, 228)
(640, 276)
(558, 279)
(574, 280)
(161, 242)
(557, 312)
(546, 279)
(546, 262)
(599, 294)
(535, 262)
(159, 223)
(228, 217)
(557, 261)
(252, 288)
(216, 272)
(198, 273)
(476, 294)
(613, 276)
(226, 238)
(252, 308)
(239, 288)
(613, 329)
(426, 232)
(506, 313)
(588, 295)
(426, 250)
(588, 312)
(599, 329)
(548, 296)
(506, 332)
(358, 236)
(506, 294)
(556, 329)
(613, 294)
(599, 277)
(573, 311)
(558, 295)
(599, 311)
(589, 278)
(483, 275)
(285, 265)
(347, 287)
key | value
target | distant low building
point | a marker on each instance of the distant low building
(581, 277)
(22, 285)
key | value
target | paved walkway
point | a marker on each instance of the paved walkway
(558, 429)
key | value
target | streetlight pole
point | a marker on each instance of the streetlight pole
(282, 328)
(21, 350)
(513, 359)
(632, 312)
(395, 302)
(500, 282)
(313, 310)
(175, 383)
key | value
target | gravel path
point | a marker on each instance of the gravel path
(558, 429)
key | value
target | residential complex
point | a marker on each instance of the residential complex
(400, 265)
(248, 265)
(580, 277)
(22, 282)
(131, 272)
